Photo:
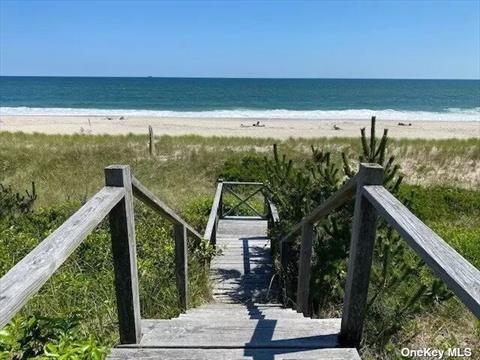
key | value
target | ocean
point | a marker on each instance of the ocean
(449, 100)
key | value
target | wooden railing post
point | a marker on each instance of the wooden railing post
(181, 264)
(122, 229)
(304, 267)
(360, 259)
(220, 204)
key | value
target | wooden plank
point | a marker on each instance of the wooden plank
(233, 241)
(232, 262)
(249, 276)
(238, 308)
(122, 230)
(459, 275)
(238, 269)
(248, 227)
(149, 199)
(250, 252)
(243, 256)
(296, 324)
(245, 183)
(225, 315)
(210, 230)
(181, 263)
(244, 217)
(240, 333)
(292, 316)
(24, 280)
(360, 258)
(227, 310)
(342, 196)
(242, 283)
(287, 353)
(304, 264)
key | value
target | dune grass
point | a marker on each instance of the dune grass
(69, 168)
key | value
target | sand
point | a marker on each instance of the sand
(273, 128)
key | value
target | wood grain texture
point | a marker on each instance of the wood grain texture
(249, 183)
(342, 196)
(360, 258)
(304, 268)
(237, 354)
(459, 275)
(238, 331)
(181, 264)
(122, 230)
(211, 228)
(149, 199)
(241, 333)
(29, 275)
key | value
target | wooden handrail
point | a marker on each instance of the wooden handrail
(457, 273)
(147, 197)
(115, 200)
(24, 280)
(210, 230)
(371, 197)
(339, 198)
(242, 183)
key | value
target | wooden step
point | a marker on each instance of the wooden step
(220, 313)
(230, 317)
(123, 353)
(241, 333)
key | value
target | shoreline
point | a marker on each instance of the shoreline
(234, 127)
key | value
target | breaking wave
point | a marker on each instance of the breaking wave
(450, 114)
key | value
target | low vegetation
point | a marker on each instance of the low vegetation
(75, 311)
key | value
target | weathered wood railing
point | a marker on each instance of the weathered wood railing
(371, 198)
(116, 200)
(218, 211)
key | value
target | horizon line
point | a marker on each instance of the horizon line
(238, 78)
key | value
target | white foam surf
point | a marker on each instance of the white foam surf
(450, 114)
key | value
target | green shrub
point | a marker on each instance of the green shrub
(197, 210)
(37, 337)
(243, 168)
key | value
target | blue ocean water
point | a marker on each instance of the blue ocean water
(454, 100)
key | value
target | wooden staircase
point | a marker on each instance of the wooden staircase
(243, 321)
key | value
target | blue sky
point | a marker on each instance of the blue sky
(364, 39)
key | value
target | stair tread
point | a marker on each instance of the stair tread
(233, 354)
(241, 333)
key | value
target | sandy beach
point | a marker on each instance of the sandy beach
(274, 128)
